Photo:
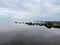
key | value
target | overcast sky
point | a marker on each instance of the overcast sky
(29, 10)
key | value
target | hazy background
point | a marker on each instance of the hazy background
(28, 10)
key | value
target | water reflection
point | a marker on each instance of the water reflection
(49, 27)
(29, 35)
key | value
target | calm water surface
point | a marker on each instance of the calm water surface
(16, 34)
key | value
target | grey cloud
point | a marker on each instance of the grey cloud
(40, 8)
(55, 2)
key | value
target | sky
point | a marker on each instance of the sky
(29, 10)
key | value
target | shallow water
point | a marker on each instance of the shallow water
(16, 34)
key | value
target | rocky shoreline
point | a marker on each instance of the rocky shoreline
(48, 24)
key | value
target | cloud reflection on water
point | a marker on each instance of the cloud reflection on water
(29, 35)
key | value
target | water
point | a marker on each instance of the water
(16, 34)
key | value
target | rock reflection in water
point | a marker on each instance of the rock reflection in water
(48, 24)
(49, 27)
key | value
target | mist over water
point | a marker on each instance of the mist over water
(19, 34)
(29, 11)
